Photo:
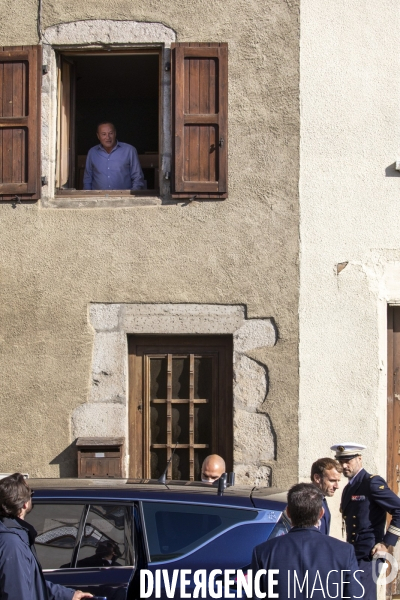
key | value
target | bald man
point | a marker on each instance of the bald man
(212, 468)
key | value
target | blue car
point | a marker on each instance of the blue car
(100, 535)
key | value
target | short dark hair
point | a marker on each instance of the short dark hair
(106, 548)
(14, 492)
(304, 504)
(325, 464)
(104, 123)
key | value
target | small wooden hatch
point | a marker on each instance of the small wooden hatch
(99, 457)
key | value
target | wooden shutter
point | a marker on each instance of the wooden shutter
(200, 107)
(20, 77)
(65, 169)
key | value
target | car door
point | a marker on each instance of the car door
(86, 546)
(197, 536)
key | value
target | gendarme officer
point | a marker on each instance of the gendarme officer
(366, 500)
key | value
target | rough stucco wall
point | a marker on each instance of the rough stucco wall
(349, 194)
(240, 251)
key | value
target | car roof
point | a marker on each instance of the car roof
(176, 491)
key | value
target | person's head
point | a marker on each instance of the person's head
(326, 474)
(107, 135)
(349, 456)
(304, 507)
(212, 468)
(351, 466)
(107, 550)
(15, 496)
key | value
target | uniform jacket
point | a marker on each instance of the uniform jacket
(311, 556)
(325, 525)
(364, 506)
(21, 576)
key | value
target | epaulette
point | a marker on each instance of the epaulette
(371, 476)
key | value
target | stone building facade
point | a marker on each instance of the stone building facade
(115, 307)
(270, 276)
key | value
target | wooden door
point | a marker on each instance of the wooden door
(180, 394)
(393, 399)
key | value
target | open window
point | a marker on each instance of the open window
(120, 86)
(129, 87)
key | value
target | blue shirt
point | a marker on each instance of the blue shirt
(118, 170)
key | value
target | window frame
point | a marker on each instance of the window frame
(49, 103)
(66, 121)
(86, 506)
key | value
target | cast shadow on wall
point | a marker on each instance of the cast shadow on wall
(67, 461)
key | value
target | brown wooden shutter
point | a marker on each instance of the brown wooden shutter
(20, 77)
(200, 108)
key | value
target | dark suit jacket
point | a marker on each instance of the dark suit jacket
(364, 506)
(326, 519)
(311, 557)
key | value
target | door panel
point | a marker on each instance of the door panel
(180, 399)
(393, 401)
(97, 538)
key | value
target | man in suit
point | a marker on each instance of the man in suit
(305, 563)
(366, 500)
(326, 474)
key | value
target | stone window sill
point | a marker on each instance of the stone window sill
(102, 199)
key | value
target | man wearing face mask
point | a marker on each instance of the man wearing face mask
(212, 468)
(21, 576)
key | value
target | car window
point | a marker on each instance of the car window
(281, 528)
(107, 537)
(175, 529)
(57, 528)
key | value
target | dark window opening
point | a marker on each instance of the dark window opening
(121, 88)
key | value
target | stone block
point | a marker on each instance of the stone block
(254, 439)
(99, 420)
(254, 333)
(109, 368)
(109, 32)
(104, 317)
(250, 383)
(181, 318)
(250, 474)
